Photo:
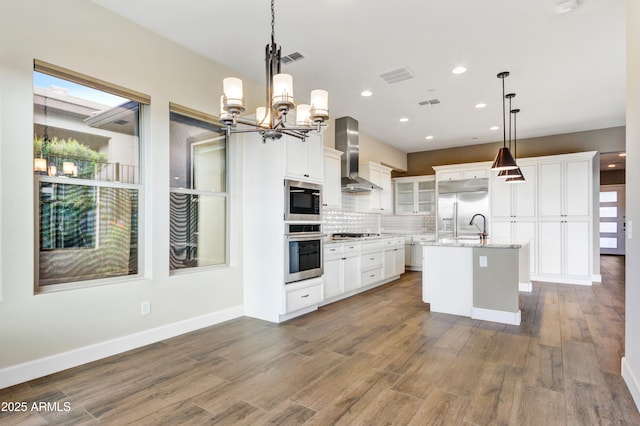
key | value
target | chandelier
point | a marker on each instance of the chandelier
(271, 119)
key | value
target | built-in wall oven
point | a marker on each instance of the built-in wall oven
(303, 201)
(302, 252)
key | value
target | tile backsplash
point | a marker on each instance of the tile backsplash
(348, 219)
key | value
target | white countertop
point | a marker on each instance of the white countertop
(489, 243)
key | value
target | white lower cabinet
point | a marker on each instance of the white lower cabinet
(393, 258)
(564, 250)
(299, 296)
(341, 268)
(353, 266)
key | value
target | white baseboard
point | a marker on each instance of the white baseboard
(632, 381)
(30, 370)
(503, 317)
(542, 278)
(596, 278)
(526, 287)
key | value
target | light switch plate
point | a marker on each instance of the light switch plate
(629, 229)
(483, 261)
(145, 308)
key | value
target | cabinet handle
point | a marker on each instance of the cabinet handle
(344, 258)
(351, 247)
(306, 175)
(306, 295)
(372, 275)
(372, 258)
(324, 205)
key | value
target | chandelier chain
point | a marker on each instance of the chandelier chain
(273, 22)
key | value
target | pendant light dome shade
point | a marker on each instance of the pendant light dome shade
(504, 160)
(511, 173)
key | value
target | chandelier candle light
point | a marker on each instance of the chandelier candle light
(271, 119)
(504, 160)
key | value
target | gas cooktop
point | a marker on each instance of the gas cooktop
(352, 235)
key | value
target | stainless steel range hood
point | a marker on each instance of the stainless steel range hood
(347, 142)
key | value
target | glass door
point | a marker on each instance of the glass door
(612, 219)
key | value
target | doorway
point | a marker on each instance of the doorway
(612, 219)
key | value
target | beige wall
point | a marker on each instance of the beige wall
(371, 149)
(614, 177)
(602, 140)
(46, 326)
(631, 360)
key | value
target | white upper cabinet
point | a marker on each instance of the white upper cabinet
(376, 201)
(415, 195)
(304, 160)
(332, 191)
(511, 200)
(565, 188)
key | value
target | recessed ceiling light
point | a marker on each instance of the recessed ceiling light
(404, 119)
(622, 154)
(494, 128)
(611, 166)
(366, 93)
(459, 70)
(428, 137)
(481, 105)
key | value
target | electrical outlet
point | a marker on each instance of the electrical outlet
(145, 308)
(483, 261)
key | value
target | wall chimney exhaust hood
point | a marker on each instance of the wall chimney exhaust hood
(347, 142)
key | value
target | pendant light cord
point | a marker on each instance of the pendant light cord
(504, 120)
(273, 23)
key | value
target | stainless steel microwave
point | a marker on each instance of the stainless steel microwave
(303, 201)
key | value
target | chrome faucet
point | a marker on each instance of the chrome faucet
(483, 234)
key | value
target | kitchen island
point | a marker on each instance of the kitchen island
(477, 279)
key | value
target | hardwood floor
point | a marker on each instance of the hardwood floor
(377, 358)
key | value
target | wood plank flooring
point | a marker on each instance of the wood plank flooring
(377, 358)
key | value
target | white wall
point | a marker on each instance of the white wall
(371, 149)
(80, 36)
(631, 360)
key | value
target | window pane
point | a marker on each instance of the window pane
(87, 232)
(608, 227)
(609, 243)
(198, 154)
(609, 197)
(608, 212)
(80, 132)
(197, 230)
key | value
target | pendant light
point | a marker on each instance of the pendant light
(504, 160)
(511, 173)
(520, 178)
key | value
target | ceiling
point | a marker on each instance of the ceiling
(567, 70)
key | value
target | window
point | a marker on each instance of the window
(87, 178)
(198, 194)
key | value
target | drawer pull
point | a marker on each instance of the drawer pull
(372, 258)
(306, 295)
(372, 275)
(344, 258)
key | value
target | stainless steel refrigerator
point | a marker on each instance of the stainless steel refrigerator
(458, 201)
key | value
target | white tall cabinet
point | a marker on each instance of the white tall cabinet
(567, 212)
(555, 208)
(266, 165)
(513, 209)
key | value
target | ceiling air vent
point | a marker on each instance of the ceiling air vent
(396, 76)
(429, 102)
(292, 57)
